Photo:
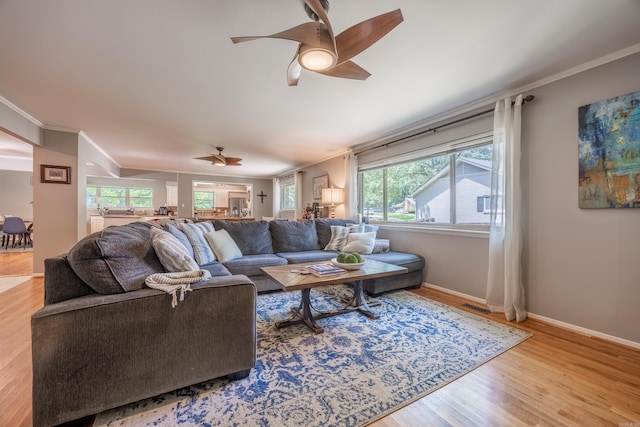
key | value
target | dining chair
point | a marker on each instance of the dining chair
(14, 227)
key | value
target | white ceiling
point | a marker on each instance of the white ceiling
(156, 83)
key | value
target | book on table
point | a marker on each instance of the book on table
(325, 269)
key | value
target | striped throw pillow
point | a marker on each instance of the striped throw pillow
(173, 256)
(195, 233)
(338, 238)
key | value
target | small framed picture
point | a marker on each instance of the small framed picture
(55, 174)
(320, 182)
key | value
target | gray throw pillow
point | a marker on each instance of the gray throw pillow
(117, 259)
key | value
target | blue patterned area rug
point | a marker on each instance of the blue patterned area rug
(354, 373)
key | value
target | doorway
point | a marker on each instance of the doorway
(222, 200)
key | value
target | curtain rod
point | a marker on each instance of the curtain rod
(527, 98)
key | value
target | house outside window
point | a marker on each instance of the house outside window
(441, 188)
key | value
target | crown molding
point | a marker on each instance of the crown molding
(20, 111)
(492, 99)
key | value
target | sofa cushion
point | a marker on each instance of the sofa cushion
(115, 260)
(223, 245)
(172, 254)
(249, 265)
(175, 232)
(252, 237)
(307, 256)
(195, 233)
(323, 228)
(412, 262)
(215, 269)
(293, 236)
(361, 243)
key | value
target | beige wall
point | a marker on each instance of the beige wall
(336, 169)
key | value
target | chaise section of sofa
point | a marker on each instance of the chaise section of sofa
(103, 339)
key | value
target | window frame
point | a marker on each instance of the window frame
(213, 199)
(90, 199)
(451, 148)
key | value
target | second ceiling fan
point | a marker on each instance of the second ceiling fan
(322, 52)
(220, 160)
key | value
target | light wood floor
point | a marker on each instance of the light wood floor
(555, 378)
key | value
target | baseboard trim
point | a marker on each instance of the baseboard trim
(554, 322)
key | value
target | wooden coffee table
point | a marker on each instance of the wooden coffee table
(290, 279)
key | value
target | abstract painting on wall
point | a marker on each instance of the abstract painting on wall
(609, 153)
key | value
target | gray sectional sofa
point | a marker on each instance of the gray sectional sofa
(269, 243)
(103, 339)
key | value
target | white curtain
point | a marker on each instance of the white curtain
(298, 183)
(505, 291)
(276, 197)
(351, 189)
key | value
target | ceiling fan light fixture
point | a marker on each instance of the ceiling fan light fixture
(316, 58)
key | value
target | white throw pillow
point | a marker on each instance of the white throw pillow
(361, 243)
(223, 245)
(338, 238)
(173, 256)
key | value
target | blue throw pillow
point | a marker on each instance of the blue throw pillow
(180, 236)
(195, 233)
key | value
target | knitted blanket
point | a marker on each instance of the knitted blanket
(171, 283)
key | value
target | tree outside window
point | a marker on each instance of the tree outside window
(288, 197)
(204, 199)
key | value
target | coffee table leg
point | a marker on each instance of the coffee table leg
(302, 314)
(359, 301)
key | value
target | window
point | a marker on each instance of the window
(287, 196)
(204, 199)
(287, 187)
(449, 187)
(119, 197)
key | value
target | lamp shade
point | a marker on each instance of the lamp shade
(332, 196)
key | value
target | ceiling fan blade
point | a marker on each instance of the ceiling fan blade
(207, 158)
(219, 158)
(317, 8)
(294, 70)
(356, 39)
(347, 70)
(232, 160)
(306, 33)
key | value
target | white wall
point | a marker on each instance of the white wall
(16, 194)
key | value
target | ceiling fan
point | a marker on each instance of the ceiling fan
(322, 52)
(220, 160)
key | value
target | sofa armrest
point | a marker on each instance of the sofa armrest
(97, 352)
